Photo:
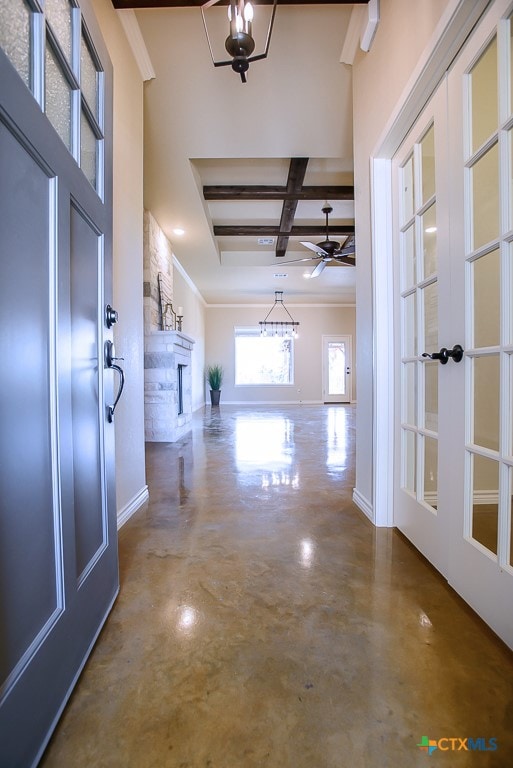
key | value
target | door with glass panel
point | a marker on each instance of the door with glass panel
(336, 369)
(481, 458)
(420, 216)
(58, 542)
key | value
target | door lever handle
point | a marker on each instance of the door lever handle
(109, 362)
(456, 353)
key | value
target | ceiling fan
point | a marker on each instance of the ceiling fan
(329, 250)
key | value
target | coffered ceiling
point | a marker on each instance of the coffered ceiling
(245, 168)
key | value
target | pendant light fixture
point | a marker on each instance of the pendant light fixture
(279, 327)
(240, 43)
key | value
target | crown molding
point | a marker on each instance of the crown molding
(135, 39)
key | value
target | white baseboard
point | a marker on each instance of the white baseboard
(133, 505)
(363, 504)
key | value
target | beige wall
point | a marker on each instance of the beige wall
(314, 322)
(128, 255)
(186, 295)
(379, 79)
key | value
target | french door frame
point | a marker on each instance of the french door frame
(456, 23)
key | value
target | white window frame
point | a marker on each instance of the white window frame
(254, 332)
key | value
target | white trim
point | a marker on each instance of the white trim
(136, 42)
(133, 505)
(251, 403)
(363, 504)
(353, 34)
(371, 26)
(383, 342)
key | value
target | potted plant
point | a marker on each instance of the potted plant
(215, 379)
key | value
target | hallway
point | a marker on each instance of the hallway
(263, 621)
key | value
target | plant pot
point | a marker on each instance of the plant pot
(215, 395)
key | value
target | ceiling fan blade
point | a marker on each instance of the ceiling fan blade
(294, 261)
(345, 252)
(319, 268)
(316, 249)
(347, 261)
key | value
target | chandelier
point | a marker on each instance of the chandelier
(239, 44)
(280, 327)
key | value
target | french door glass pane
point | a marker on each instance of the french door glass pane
(409, 398)
(429, 241)
(409, 271)
(427, 148)
(431, 471)
(485, 197)
(58, 13)
(430, 299)
(88, 144)
(486, 401)
(486, 292)
(15, 35)
(88, 78)
(410, 325)
(484, 96)
(409, 452)
(57, 97)
(485, 501)
(431, 396)
(407, 191)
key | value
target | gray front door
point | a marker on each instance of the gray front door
(58, 538)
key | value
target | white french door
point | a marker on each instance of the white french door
(453, 225)
(336, 369)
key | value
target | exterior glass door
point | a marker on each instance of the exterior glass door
(337, 369)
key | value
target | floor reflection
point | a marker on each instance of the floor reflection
(338, 437)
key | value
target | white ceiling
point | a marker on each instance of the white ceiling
(204, 127)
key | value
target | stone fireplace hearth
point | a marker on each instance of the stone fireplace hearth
(167, 385)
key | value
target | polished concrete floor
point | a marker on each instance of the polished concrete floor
(263, 621)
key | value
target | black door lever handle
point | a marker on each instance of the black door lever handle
(456, 353)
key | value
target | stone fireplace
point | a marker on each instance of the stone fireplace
(167, 385)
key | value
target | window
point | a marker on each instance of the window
(263, 359)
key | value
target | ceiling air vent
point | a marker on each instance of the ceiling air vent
(280, 274)
(265, 241)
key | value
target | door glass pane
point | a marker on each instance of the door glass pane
(15, 35)
(408, 191)
(409, 399)
(486, 291)
(486, 401)
(88, 78)
(485, 501)
(484, 96)
(431, 395)
(429, 241)
(485, 197)
(409, 272)
(430, 298)
(58, 13)
(336, 368)
(427, 148)
(410, 325)
(57, 97)
(409, 460)
(431, 471)
(87, 150)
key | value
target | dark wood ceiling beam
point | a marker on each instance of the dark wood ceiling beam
(262, 230)
(271, 192)
(126, 4)
(297, 171)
